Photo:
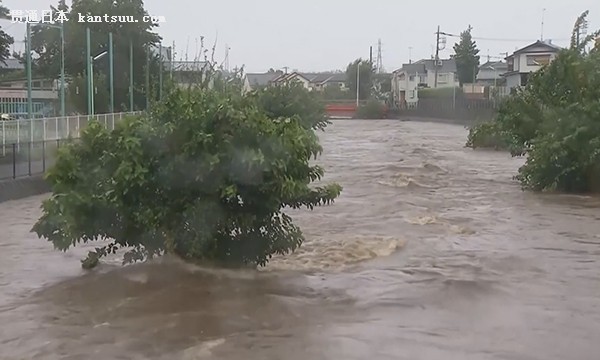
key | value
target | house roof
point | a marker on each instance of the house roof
(547, 45)
(422, 66)
(261, 79)
(12, 64)
(498, 65)
(323, 78)
(189, 65)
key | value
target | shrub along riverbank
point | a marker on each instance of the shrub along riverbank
(554, 121)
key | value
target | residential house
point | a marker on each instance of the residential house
(253, 81)
(527, 60)
(421, 74)
(491, 73)
(315, 81)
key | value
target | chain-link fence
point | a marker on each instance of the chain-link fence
(28, 147)
(39, 130)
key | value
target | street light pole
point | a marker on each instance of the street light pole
(62, 70)
(99, 56)
(88, 58)
(111, 72)
(92, 85)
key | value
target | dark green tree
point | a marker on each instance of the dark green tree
(467, 58)
(5, 40)
(366, 70)
(555, 121)
(46, 45)
(205, 176)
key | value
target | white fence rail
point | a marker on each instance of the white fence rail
(34, 130)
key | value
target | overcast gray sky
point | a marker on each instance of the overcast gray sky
(320, 35)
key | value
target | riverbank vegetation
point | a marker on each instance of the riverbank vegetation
(205, 176)
(554, 120)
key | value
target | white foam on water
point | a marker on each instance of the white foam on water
(335, 252)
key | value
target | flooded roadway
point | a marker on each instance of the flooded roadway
(431, 252)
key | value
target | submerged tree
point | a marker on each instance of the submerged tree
(204, 176)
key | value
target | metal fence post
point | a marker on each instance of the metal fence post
(44, 156)
(18, 135)
(29, 156)
(3, 139)
(68, 126)
(14, 160)
(56, 128)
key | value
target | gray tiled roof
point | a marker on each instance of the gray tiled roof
(546, 44)
(498, 65)
(12, 64)
(261, 79)
(188, 65)
(421, 66)
(320, 78)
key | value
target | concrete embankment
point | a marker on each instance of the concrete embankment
(23, 187)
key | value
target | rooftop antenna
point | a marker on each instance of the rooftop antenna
(542, 34)
(410, 54)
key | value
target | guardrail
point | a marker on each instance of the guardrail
(30, 131)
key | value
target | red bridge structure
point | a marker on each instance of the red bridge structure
(342, 109)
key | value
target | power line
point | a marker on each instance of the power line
(496, 39)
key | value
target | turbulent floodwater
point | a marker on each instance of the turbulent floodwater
(431, 252)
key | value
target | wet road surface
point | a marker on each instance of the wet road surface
(431, 252)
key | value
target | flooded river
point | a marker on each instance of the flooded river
(431, 252)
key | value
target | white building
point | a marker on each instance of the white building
(410, 77)
(528, 60)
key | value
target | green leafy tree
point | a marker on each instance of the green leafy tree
(205, 176)
(5, 40)
(467, 58)
(555, 121)
(365, 68)
(46, 45)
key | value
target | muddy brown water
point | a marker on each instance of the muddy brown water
(431, 252)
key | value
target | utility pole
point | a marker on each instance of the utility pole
(371, 55)
(286, 69)
(437, 56)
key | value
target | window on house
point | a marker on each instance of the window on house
(411, 94)
(411, 78)
(538, 60)
(422, 79)
(442, 78)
